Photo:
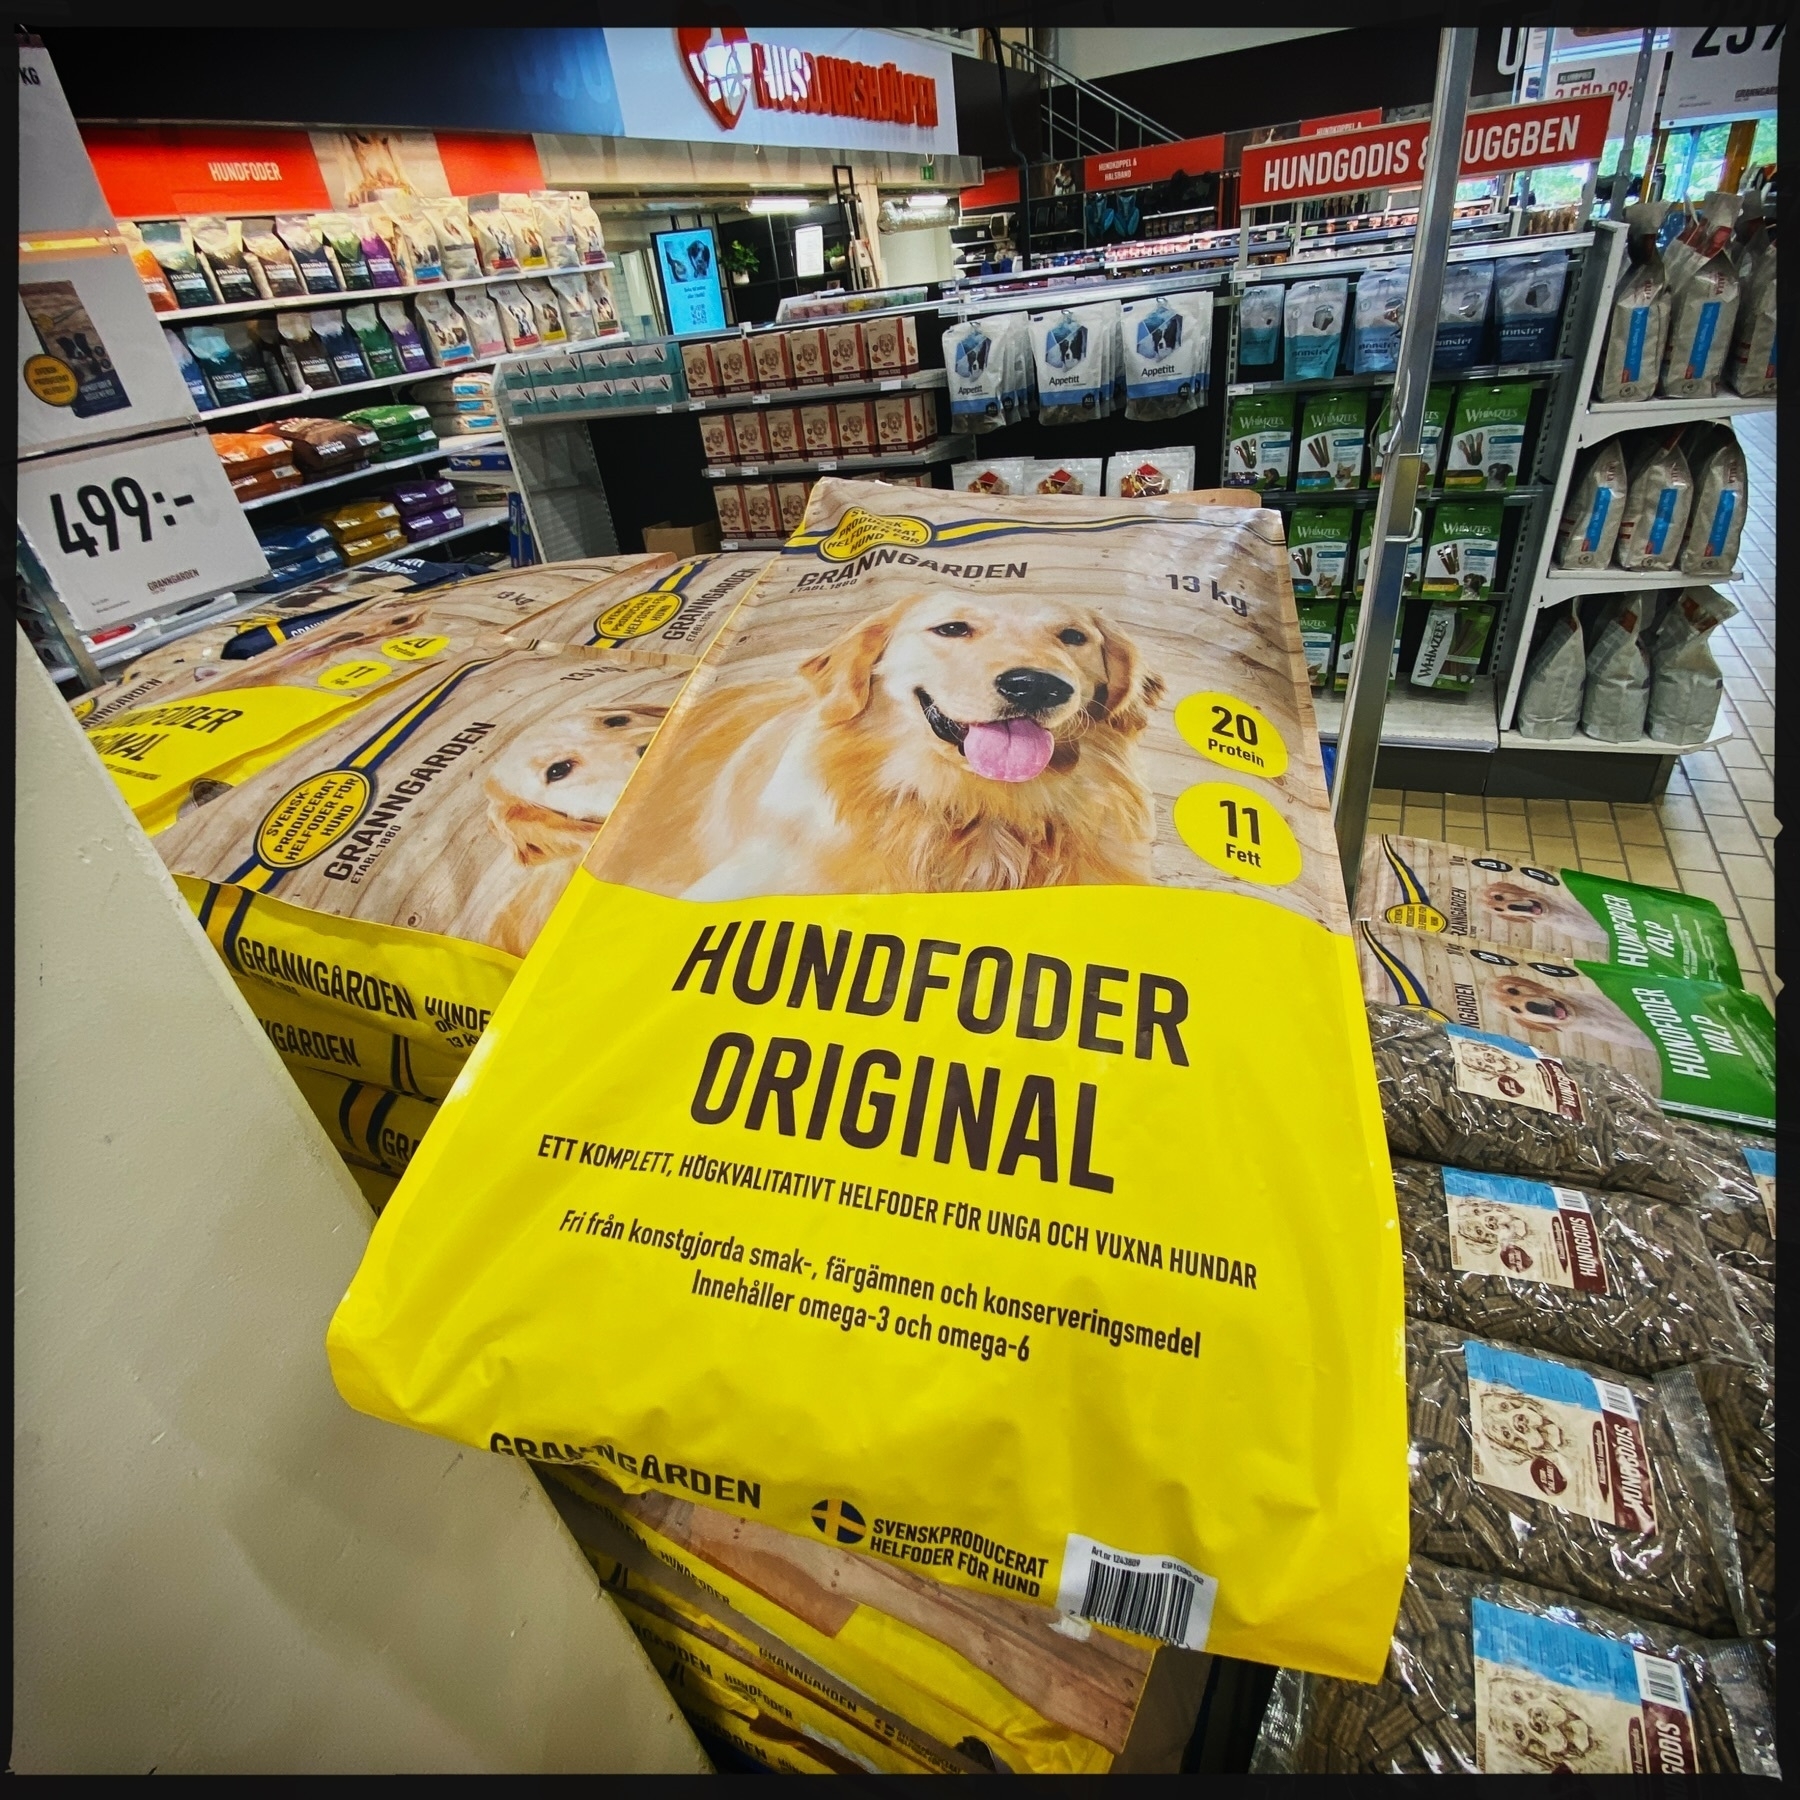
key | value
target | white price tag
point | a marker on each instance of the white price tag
(696, 406)
(889, 386)
(828, 463)
(1722, 72)
(138, 528)
(759, 399)
(750, 469)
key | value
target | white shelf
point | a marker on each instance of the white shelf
(799, 396)
(940, 451)
(477, 518)
(1606, 418)
(1594, 581)
(305, 396)
(237, 309)
(1417, 719)
(1513, 740)
(455, 447)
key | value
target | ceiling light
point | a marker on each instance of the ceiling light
(779, 203)
(925, 200)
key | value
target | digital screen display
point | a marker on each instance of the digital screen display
(688, 263)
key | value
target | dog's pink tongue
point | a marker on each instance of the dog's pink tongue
(1008, 749)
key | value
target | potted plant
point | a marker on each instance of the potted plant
(741, 262)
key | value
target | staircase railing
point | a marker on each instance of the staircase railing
(1107, 124)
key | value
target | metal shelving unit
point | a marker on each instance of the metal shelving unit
(1577, 423)
(940, 450)
(455, 446)
(799, 396)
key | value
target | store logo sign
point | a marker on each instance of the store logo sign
(717, 58)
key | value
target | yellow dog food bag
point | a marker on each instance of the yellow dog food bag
(940, 1113)
(311, 1036)
(373, 1127)
(176, 749)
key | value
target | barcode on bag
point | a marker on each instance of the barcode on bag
(1660, 1680)
(1155, 1596)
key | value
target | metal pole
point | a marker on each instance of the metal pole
(1615, 207)
(1396, 512)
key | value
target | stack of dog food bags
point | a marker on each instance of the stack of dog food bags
(790, 1162)
(1576, 1091)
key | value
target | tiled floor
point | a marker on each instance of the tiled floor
(1713, 833)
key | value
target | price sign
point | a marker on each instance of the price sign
(1723, 72)
(145, 527)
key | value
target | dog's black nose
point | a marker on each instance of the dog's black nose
(1033, 690)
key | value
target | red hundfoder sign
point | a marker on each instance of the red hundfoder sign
(1154, 162)
(1511, 137)
(790, 80)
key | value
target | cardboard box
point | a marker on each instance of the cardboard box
(731, 357)
(769, 357)
(697, 366)
(893, 429)
(891, 345)
(782, 426)
(728, 497)
(790, 498)
(748, 438)
(855, 427)
(808, 356)
(762, 515)
(818, 431)
(681, 540)
(716, 442)
(921, 417)
(844, 347)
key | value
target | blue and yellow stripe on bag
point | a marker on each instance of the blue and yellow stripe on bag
(860, 532)
(317, 812)
(1409, 990)
(1414, 907)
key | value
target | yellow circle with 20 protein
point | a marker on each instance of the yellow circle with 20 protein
(1225, 729)
(415, 649)
(1239, 832)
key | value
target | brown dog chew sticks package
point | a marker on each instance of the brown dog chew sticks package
(933, 1003)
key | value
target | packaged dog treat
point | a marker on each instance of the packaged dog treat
(996, 476)
(1431, 434)
(1463, 550)
(781, 425)
(717, 443)
(1703, 303)
(1168, 355)
(790, 501)
(457, 253)
(1487, 439)
(1070, 475)
(1616, 691)
(855, 421)
(344, 245)
(972, 1679)
(1319, 551)
(749, 440)
(301, 234)
(818, 428)
(1731, 1176)
(1550, 696)
(548, 308)
(1594, 510)
(1259, 324)
(378, 348)
(1346, 649)
(1334, 431)
(1462, 314)
(1638, 323)
(1721, 505)
(921, 418)
(518, 317)
(697, 369)
(1149, 474)
(1260, 451)
(731, 358)
(955, 726)
(1075, 349)
(1490, 1676)
(172, 244)
(761, 519)
(1701, 1047)
(1313, 328)
(728, 500)
(1686, 687)
(1528, 296)
(1430, 886)
(847, 352)
(808, 356)
(1380, 310)
(891, 344)
(1451, 647)
(976, 356)
(1318, 633)
(417, 253)
(221, 243)
(340, 345)
(1412, 571)
(445, 329)
(481, 322)
(1603, 1278)
(891, 433)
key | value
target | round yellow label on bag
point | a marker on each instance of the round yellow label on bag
(1227, 730)
(361, 672)
(1237, 830)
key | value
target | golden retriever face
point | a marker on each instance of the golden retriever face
(997, 690)
(1508, 900)
(557, 783)
(1530, 1003)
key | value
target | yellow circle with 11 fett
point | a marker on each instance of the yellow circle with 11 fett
(360, 672)
(1239, 832)
(413, 649)
(1225, 729)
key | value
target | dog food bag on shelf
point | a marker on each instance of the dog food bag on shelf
(1431, 434)
(1379, 311)
(1427, 885)
(1721, 505)
(1528, 297)
(172, 244)
(1463, 551)
(1616, 691)
(1704, 1048)
(1167, 347)
(1260, 451)
(221, 242)
(1070, 475)
(306, 242)
(343, 244)
(1638, 324)
(1750, 367)
(1074, 349)
(1451, 647)
(409, 346)
(1462, 314)
(1488, 1676)
(552, 326)
(1550, 695)
(378, 348)
(982, 1681)
(1259, 324)
(996, 476)
(1703, 302)
(1006, 735)
(1487, 438)
(1334, 433)
(446, 330)
(518, 317)
(457, 253)
(1606, 1278)
(1686, 687)
(1319, 551)
(1313, 328)
(1589, 528)
(370, 1127)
